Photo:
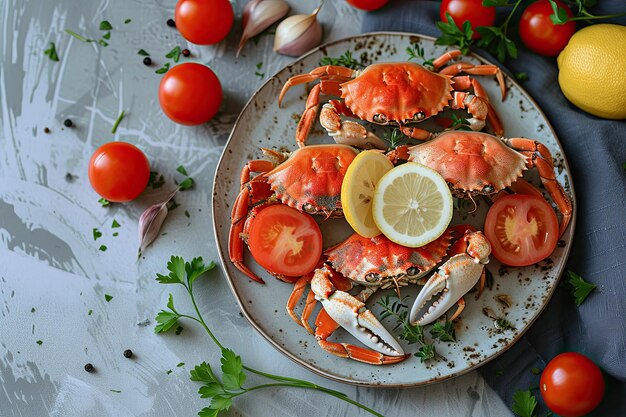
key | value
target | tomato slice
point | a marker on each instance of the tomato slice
(285, 241)
(522, 229)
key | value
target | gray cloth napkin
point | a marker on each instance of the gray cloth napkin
(596, 151)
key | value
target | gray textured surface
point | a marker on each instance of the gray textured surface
(49, 261)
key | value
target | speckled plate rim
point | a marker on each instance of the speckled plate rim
(314, 369)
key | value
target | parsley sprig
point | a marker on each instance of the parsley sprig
(524, 403)
(415, 51)
(51, 52)
(344, 60)
(394, 138)
(559, 15)
(451, 34)
(220, 390)
(579, 288)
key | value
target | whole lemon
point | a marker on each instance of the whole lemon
(592, 70)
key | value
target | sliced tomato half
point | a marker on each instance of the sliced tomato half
(522, 229)
(285, 241)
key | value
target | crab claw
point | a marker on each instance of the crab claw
(352, 315)
(452, 281)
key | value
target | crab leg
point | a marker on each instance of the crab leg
(445, 58)
(453, 279)
(347, 132)
(465, 82)
(539, 156)
(351, 314)
(312, 104)
(326, 326)
(472, 69)
(331, 72)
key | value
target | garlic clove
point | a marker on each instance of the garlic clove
(258, 15)
(298, 34)
(150, 222)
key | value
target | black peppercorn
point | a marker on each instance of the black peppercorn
(186, 52)
(46, 130)
(147, 61)
(171, 23)
(128, 353)
(89, 367)
(67, 123)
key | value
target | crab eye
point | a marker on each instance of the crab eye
(372, 277)
(419, 115)
(488, 189)
(380, 118)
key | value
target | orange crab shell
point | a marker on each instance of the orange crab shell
(471, 161)
(310, 180)
(368, 261)
(398, 91)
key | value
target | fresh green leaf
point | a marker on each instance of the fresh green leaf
(103, 248)
(232, 368)
(221, 402)
(521, 76)
(115, 234)
(415, 51)
(106, 35)
(186, 184)
(163, 69)
(180, 364)
(170, 303)
(32, 310)
(345, 60)
(174, 54)
(206, 411)
(117, 122)
(117, 391)
(108, 297)
(96, 233)
(79, 37)
(451, 34)
(559, 15)
(524, 403)
(504, 324)
(535, 371)
(104, 202)
(426, 352)
(176, 266)
(211, 390)
(156, 180)
(179, 330)
(105, 25)
(39, 342)
(51, 52)
(395, 137)
(103, 43)
(169, 371)
(494, 40)
(115, 224)
(166, 320)
(203, 373)
(182, 170)
(127, 21)
(499, 372)
(443, 331)
(90, 312)
(195, 268)
(579, 288)
(142, 52)
(495, 3)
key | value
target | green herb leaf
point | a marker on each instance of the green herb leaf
(579, 288)
(415, 51)
(108, 297)
(115, 234)
(106, 35)
(104, 202)
(105, 25)
(504, 324)
(186, 184)
(494, 40)
(90, 312)
(535, 371)
(203, 373)
(155, 181)
(443, 331)
(179, 330)
(395, 137)
(51, 52)
(221, 402)
(115, 391)
(127, 21)
(176, 266)
(32, 310)
(96, 234)
(495, 3)
(180, 364)
(559, 15)
(195, 268)
(166, 320)
(174, 54)
(170, 303)
(163, 69)
(206, 411)
(115, 224)
(426, 352)
(117, 122)
(345, 60)
(103, 43)
(232, 368)
(103, 248)
(452, 35)
(142, 52)
(211, 390)
(521, 76)
(499, 372)
(182, 170)
(79, 37)
(524, 403)
(39, 342)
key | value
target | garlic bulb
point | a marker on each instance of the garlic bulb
(258, 15)
(298, 34)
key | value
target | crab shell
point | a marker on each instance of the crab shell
(471, 162)
(310, 179)
(372, 261)
(401, 92)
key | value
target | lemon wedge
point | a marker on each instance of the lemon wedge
(412, 205)
(357, 190)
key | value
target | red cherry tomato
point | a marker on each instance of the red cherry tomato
(119, 171)
(472, 10)
(571, 385)
(204, 22)
(190, 94)
(538, 32)
(285, 241)
(368, 5)
(522, 229)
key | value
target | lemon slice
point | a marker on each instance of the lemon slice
(412, 205)
(357, 190)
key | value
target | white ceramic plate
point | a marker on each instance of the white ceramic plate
(263, 124)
